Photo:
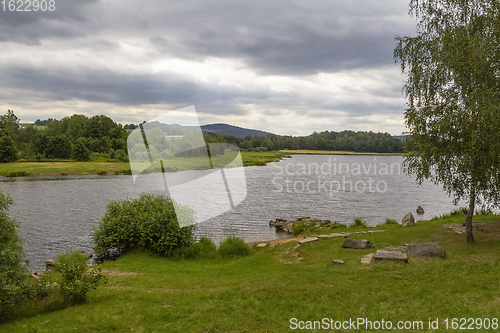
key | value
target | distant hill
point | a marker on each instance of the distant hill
(400, 137)
(225, 129)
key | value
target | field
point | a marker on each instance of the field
(263, 292)
(333, 152)
(71, 168)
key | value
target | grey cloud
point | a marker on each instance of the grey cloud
(102, 86)
(70, 19)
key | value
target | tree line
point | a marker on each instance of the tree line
(368, 142)
(83, 138)
(77, 137)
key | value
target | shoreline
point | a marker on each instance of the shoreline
(335, 152)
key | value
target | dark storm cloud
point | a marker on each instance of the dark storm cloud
(70, 19)
(109, 87)
(272, 38)
(287, 38)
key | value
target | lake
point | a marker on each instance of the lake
(58, 213)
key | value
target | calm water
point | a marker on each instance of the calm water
(58, 214)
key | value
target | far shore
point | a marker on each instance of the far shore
(335, 152)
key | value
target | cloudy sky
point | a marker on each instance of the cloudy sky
(288, 67)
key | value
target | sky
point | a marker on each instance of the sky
(286, 67)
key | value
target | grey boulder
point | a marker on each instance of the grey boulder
(407, 220)
(428, 249)
(350, 243)
(390, 255)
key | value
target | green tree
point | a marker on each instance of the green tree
(453, 95)
(13, 274)
(80, 150)
(8, 151)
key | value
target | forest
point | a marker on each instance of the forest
(83, 138)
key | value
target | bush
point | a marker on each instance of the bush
(76, 278)
(148, 223)
(359, 221)
(234, 247)
(204, 249)
(391, 221)
(13, 274)
(298, 227)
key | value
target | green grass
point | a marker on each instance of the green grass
(102, 167)
(261, 293)
(32, 168)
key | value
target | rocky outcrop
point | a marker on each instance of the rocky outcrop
(420, 210)
(359, 244)
(390, 255)
(428, 249)
(407, 220)
(282, 225)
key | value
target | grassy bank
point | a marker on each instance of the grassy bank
(71, 168)
(262, 292)
(333, 152)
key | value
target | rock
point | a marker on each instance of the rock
(304, 218)
(350, 243)
(49, 266)
(262, 245)
(307, 240)
(390, 255)
(395, 248)
(337, 261)
(407, 220)
(282, 225)
(428, 249)
(420, 210)
(325, 236)
(367, 259)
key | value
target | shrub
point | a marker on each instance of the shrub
(148, 223)
(13, 274)
(391, 221)
(359, 221)
(298, 227)
(234, 247)
(76, 278)
(204, 249)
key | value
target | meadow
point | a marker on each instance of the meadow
(264, 291)
(69, 167)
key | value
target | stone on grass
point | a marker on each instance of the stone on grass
(350, 243)
(337, 261)
(262, 245)
(307, 240)
(407, 220)
(390, 255)
(428, 249)
(367, 259)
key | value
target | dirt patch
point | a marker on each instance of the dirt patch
(487, 230)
